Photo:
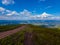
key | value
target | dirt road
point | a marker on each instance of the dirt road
(7, 33)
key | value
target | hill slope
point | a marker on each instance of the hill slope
(33, 35)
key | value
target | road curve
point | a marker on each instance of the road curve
(10, 32)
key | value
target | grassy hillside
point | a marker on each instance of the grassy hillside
(8, 27)
(40, 36)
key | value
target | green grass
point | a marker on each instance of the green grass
(40, 36)
(8, 27)
(46, 36)
(16, 39)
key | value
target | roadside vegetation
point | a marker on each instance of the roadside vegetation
(8, 27)
(40, 36)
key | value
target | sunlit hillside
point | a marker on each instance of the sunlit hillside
(35, 35)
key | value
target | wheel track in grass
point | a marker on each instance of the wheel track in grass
(28, 38)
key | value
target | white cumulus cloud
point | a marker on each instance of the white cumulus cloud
(7, 12)
(2, 9)
(25, 13)
(12, 13)
(7, 2)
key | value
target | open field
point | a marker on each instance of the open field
(33, 35)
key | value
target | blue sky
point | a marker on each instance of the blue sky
(34, 7)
